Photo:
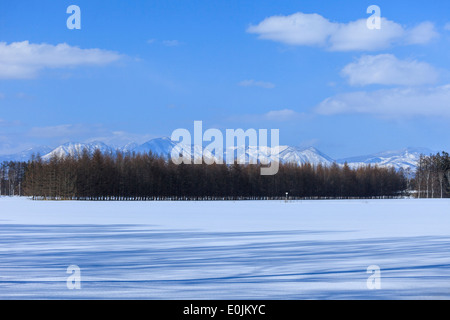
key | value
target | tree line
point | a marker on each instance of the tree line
(12, 174)
(432, 179)
(120, 176)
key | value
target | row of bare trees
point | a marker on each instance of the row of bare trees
(11, 178)
(133, 177)
(148, 177)
(432, 178)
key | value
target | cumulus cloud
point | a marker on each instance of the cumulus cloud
(303, 29)
(24, 60)
(296, 29)
(391, 102)
(355, 36)
(253, 83)
(422, 34)
(386, 69)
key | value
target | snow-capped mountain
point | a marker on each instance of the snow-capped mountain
(74, 149)
(129, 147)
(26, 155)
(405, 158)
(305, 155)
(284, 154)
(161, 147)
(245, 154)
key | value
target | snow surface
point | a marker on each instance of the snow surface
(225, 250)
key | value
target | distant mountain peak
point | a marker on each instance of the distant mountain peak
(26, 154)
(403, 158)
(77, 148)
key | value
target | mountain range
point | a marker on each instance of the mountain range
(404, 158)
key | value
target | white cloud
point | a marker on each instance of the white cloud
(14, 123)
(355, 36)
(8, 147)
(447, 26)
(391, 102)
(386, 69)
(422, 34)
(121, 138)
(87, 133)
(314, 30)
(296, 29)
(171, 43)
(63, 131)
(24, 60)
(253, 83)
(282, 115)
(276, 115)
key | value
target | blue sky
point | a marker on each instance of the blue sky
(140, 69)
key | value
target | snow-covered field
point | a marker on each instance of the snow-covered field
(225, 250)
